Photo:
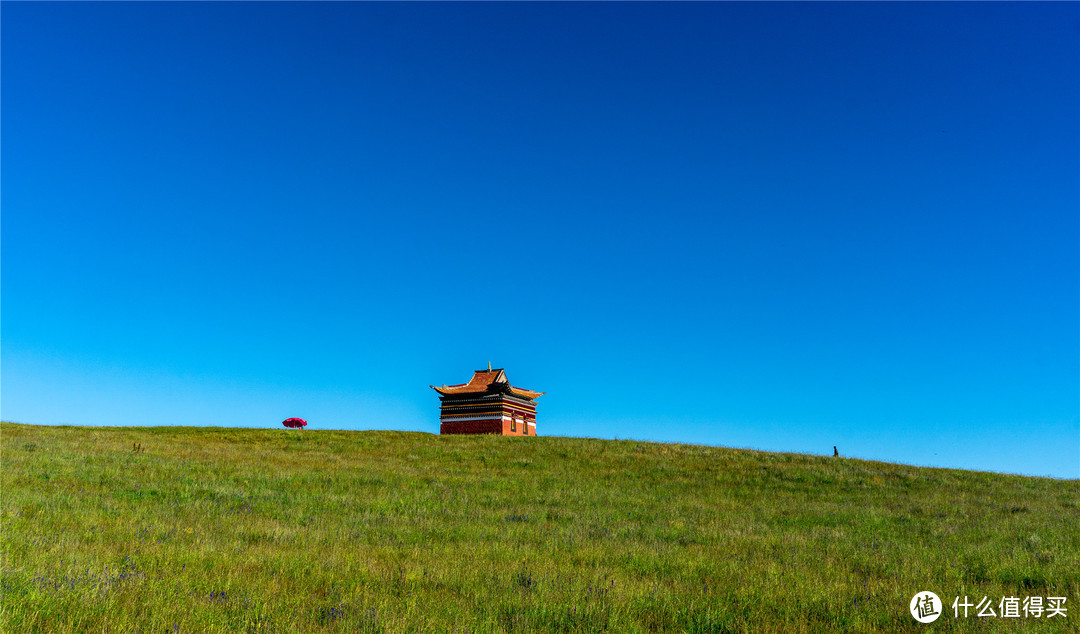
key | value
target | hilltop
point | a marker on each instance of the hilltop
(214, 529)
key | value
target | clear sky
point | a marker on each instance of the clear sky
(764, 225)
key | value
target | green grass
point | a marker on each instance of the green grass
(225, 530)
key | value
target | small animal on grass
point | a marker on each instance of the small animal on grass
(835, 453)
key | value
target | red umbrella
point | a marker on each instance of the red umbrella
(294, 423)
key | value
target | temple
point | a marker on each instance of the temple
(487, 404)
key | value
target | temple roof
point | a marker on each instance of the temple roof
(486, 381)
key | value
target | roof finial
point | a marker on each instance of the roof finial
(489, 366)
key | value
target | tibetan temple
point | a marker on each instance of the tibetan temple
(487, 404)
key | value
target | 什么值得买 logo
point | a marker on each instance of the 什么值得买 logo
(925, 607)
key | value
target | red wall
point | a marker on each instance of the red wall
(471, 427)
(484, 427)
(518, 431)
(506, 428)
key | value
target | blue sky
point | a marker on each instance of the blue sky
(766, 225)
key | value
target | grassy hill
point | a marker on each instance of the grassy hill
(211, 529)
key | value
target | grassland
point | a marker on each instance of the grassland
(225, 530)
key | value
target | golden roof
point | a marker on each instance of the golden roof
(481, 382)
